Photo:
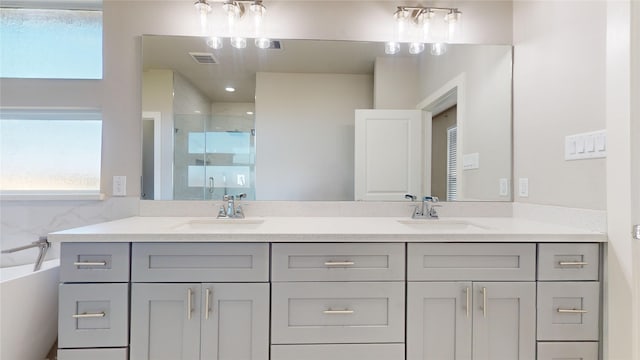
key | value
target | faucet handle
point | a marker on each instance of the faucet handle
(433, 199)
(409, 196)
(241, 196)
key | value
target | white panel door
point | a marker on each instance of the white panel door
(389, 150)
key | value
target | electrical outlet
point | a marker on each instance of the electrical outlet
(523, 188)
(119, 186)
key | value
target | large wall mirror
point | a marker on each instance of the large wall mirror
(279, 123)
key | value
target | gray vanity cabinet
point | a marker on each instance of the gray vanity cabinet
(164, 323)
(464, 320)
(485, 319)
(200, 321)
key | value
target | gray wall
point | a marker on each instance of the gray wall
(559, 90)
(304, 134)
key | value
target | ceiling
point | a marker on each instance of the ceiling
(238, 67)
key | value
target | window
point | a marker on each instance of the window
(452, 163)
(50, 152)
(50, 43)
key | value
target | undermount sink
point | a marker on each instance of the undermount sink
(441, 225)
(220, 224)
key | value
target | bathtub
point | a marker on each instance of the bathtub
(29, 311)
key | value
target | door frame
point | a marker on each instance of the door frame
(432, 104)
(156, 117)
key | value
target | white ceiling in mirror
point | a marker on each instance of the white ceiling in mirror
(237, 67)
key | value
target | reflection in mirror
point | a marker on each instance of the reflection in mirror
(287, 130)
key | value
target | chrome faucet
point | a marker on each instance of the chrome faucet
(428, 208)
(231, 210)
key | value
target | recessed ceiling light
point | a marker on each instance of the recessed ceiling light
(249, 112)
(230, 89)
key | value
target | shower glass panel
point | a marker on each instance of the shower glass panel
(214, 157)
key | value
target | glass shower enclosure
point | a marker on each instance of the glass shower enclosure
(214, 156)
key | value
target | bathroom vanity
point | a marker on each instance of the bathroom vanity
(284, 288)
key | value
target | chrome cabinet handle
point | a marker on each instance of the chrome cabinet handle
(572, 311)
(338, 312)
(207, 307)
(189, 300)
(90, 263)
(88, 315)
(484, 302)
(468, 299)
(339, 263)
(573, 263)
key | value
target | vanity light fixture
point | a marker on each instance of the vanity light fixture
(239, 42)
(391, 47)
(416, 48)
(214, 42)
(418, 25)
(235, 10)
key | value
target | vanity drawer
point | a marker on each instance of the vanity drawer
(321, 312)
(338, 262)
(93, 354)
(93, 315)
(338, 352)
(200, 262)
(94, 262)
(567, 351)
(471, 262)
(568, 261)
(568, 310)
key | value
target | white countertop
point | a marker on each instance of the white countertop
(325, 229)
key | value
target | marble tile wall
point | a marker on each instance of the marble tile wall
(22, 222)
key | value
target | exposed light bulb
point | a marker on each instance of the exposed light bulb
(239, 42)
(416, 48)
(263, 43)
(257, 8)
(214, 42)
(438, 49)
(391, 47)
(453, 16)
(249, 112)
(202, 6)
(230, 89)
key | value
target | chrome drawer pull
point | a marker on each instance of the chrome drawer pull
(88, 315)
(189, 301)
(572, 311)
(573, 263)
(339, 263)
(484, 302)
(468, 301)
(338, 312)
(90, 263)
(207, 306)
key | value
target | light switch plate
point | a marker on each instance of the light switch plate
(471, 161)
(504, 187)
(591, 145)
(523, 187)
(119, 186)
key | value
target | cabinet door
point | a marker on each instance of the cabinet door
(165, 321)
(439, 325)
(235, 321)
(504, 320)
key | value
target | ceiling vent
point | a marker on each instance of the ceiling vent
(203, 58)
